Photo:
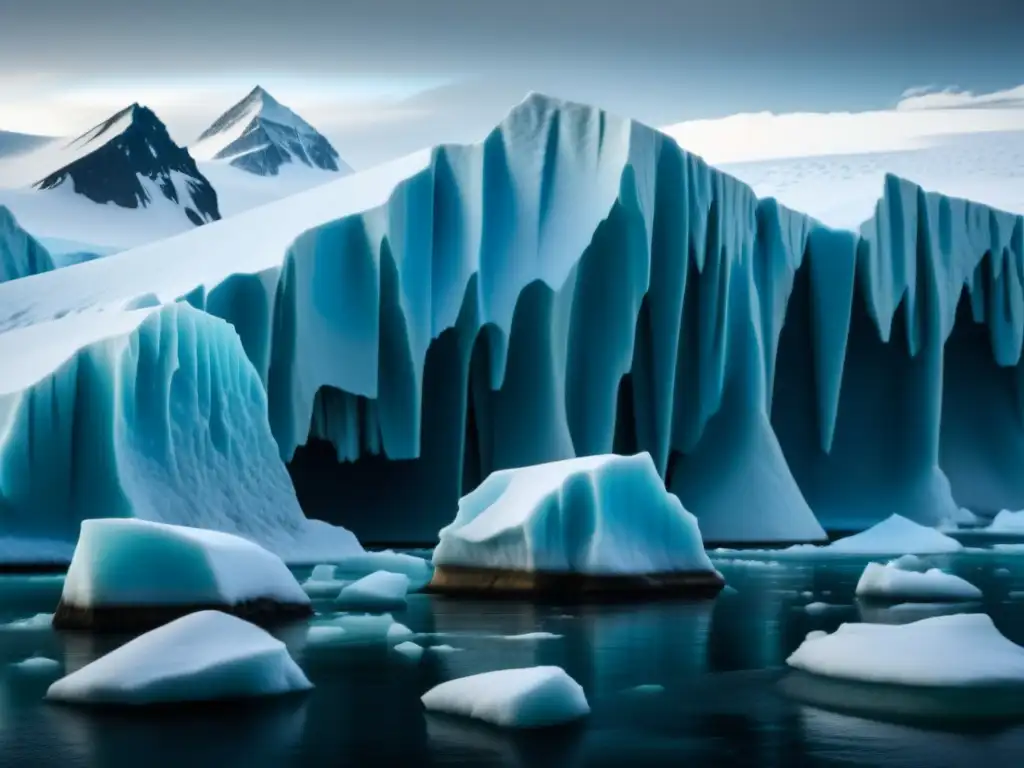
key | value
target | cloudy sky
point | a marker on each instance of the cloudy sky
(384, 77)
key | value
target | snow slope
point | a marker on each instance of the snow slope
(153, 413)
(585, 286)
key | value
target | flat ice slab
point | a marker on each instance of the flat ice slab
(129, 573)
(597, 516)
(512, 698)
(896, 535)
(380, 590)
(890, 582)
(204, 656)
(962, 650)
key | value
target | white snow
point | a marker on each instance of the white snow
(238, 190)
(597, 515)
(204, 656)
(381, 589)
(512, 698)
(893, 536)
(891, 582)
(138, 562)
(962, 650)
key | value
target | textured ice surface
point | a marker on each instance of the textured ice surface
(204, 656)
(512, 698)
(596, 515)
(21, 254)
(577, 284)
(137, 562)
(378, 591)
(896, 535)
(958, 650)
(891, 582)
(155, 414)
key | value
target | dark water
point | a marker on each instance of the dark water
(718, 664)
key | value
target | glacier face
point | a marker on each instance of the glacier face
(153, 413)
(578, 284)
(21, 254)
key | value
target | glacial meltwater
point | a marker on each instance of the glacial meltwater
(669, 683)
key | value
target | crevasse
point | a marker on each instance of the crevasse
(578, 284)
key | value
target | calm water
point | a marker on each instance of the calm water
(718, 664)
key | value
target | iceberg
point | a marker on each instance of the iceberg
(380, 590)
(890, 582)
(577, 284)
(896, 535)
(205, 656)
(154, 414)
(961, 650)
(512, 698)
(1006, 522)
(134, 574)
(597, 523)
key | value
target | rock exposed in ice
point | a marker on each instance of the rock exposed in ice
(961, 650)
(204, 656)
(512, 698)
(896, 535)
(378, 591)
(890, 582)
(601, 516)
(129, 573)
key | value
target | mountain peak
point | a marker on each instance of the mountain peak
(259, 134)
(130, 160)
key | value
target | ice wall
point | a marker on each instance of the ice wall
(154, 414)
(20, 254)
(578, 284)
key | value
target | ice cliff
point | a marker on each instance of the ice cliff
(579, 284)
(20, 254)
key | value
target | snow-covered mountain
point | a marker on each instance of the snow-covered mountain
(123, 183)
(260, 135)
(14, 143)
(125, 152)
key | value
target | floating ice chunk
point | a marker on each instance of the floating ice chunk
(39, 621)
(326, 634)
(443, 648)
(417, 569)
(127, 573)
(599, 516)
(512, 698)
(1008, 522)
(365, 629)
(948, 651)
(527, 636)
(396, 631)
(647, 689)
(410, 650)
(378, 591)
(37, 665)
(904, 613)
(816, 609)
(323, 572)
(909, 563)
(322, 582)
(890, 582)
(203, 656)
(896, 535)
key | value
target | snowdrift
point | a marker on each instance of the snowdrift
(578, 284)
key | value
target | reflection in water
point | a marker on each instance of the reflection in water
(906, 613)
(852, 741)
(466, 742)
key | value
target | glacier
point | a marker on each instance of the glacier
(20, 253)
(578, 284)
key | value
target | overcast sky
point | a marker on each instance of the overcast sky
(384, 77)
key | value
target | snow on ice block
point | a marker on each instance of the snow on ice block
(599, 524)
(512, 698)
(896, 535)
(962, 650)
(129, 574)
(891, 582)
(205, 656)
(380, 590)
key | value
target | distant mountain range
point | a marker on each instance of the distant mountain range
(126, 182)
